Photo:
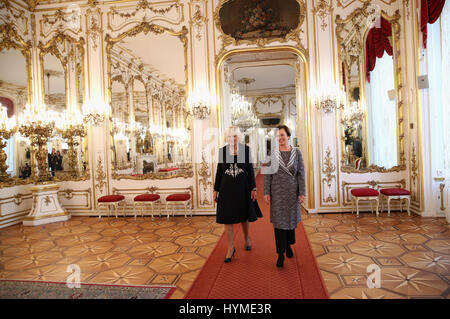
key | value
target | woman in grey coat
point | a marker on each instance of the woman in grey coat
(284, 189)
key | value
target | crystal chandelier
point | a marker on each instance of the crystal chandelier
(354, 113)
(328, 98)
(241, 112)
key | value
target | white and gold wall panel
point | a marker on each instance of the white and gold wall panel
(319, 133)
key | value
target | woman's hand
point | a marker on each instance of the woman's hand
(301, 198)
(267, 198)
(215, 196)
(253, 195)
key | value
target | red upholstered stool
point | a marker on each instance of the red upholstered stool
(369, 194)
(179, 200)
(110, 201)
(146, 199)
(389, 194)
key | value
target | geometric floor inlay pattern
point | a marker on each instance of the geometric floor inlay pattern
(413, 253)
(111, 251)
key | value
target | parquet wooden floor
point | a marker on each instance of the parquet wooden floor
(413, 253)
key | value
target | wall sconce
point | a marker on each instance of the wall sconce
(199, 103)
(328, 98)
(94, 112)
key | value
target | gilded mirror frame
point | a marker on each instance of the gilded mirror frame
(303, 57)
(51, 47)
(399, 99)
(10, 39)
(293, 35)
(146, 27)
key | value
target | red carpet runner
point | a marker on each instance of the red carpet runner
(253, 274)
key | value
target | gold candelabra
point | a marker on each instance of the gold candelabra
(5, 134)
(39, 132)
(38, 125)
(7, 129)
(71, 133)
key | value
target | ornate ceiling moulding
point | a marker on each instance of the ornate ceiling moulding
(323, 9)
(259, 23)
(94, 26)
(62, 20)
(198, 21)
(345, 3)
(123, 16)
(11, 15)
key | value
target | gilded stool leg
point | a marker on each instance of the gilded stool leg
(357, 207)
(377, 200)
(389, 205)
(407, 198)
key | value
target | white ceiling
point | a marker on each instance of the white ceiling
(57, 83)
(266, 77)
(272, 71)
(164, 53)
(13, 67)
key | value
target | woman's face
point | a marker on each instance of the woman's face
(283, 139)
(232, 139)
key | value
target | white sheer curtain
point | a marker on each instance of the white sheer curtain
(10, 156)
(438, 53)
(382, 114)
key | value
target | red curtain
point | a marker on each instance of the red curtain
(377, 43)
(8, 104)
(430, 10)
(343, 74)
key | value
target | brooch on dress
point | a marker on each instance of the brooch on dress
(234, 170)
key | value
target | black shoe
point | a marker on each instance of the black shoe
(280, 260)
(227, 260)
(289, 252)
(249, 247)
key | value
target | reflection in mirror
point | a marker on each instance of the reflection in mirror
(260, 91)
(63, 87)
(13, 97)
(371, 121)
(148, 129)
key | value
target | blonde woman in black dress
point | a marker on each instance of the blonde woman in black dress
(235, 190)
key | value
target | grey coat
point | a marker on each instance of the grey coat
(284, 182)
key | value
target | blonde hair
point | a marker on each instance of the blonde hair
(233, 130)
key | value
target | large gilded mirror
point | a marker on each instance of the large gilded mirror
(15, 93)
(147, 88)
(370, 68)
(62, 70)
(259, 91)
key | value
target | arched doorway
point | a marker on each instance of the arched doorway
(274, 82)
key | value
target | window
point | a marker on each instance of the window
(438, 63)
(382, 114)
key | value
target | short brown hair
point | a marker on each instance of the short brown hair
(285, 128)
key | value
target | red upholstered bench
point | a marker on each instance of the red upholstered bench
(169, 169)
(110, 201)
(389, 194)
(174, 200)
(146, 199)
(368, 194)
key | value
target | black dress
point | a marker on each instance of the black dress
(235, 179)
